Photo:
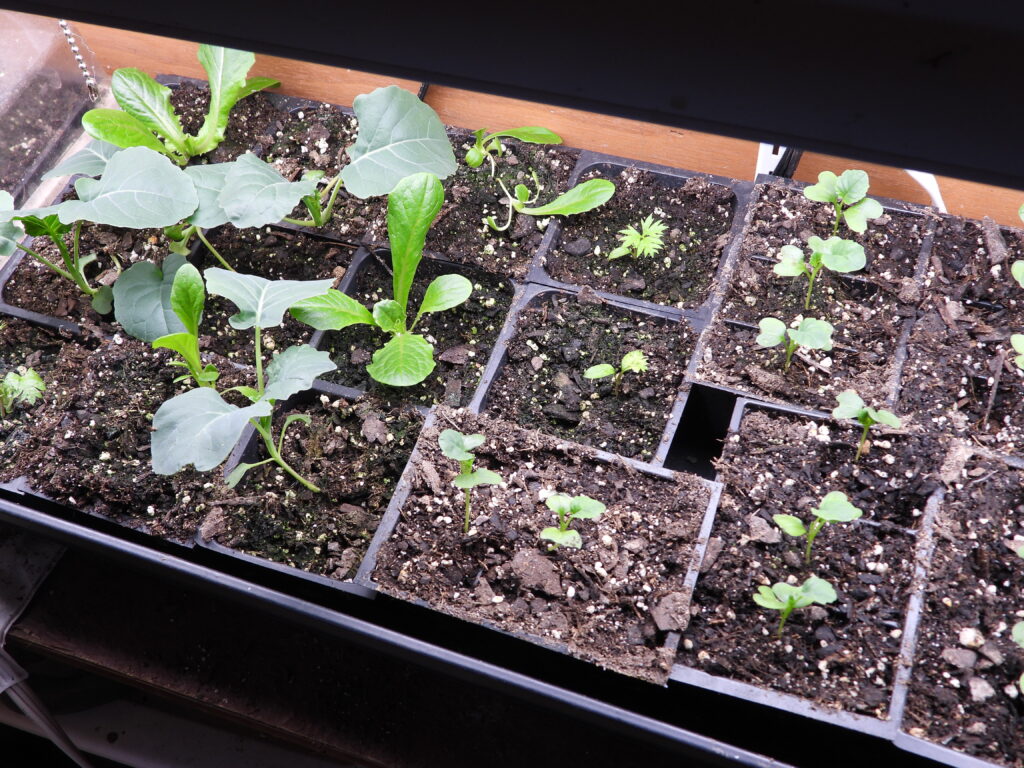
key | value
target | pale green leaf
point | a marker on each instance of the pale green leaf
(119, 129)
(856, 217)
(10, 231)
(766, 598)
(599, 371)
(813, 334)
(791, 262)
(21, 386)
(851, 186)
(817, 590)
(850, 405)
(445, 292)
(835, 507)
(147, 101)
(532, 134)
(209, 181)
(1017, 633)
(226, 69)
(634, 361)
(583, 197)
(884, 417)
(477, 477)
(841, 255)
(255, 194)
(413, 205)
(389, 316)
(773, 332)
(186, 345)
(791, 525)
(825, 190)
(261, 302)
(560, 538)
(1017, 271)
(188, 296)
(142, 299)
(331, 311)
(294, 371)
(90, 161)
(586, 508)
(457, 446)
(406, 359)
(102, 302)
(559, 503)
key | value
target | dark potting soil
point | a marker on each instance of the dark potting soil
(558, 337)
(319, 137)
(463, 336)
(697, 214)
(354, 452)
(610, 602)
(964, 690)
(960, 376)
(843, 655)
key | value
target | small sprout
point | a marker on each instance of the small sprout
(458, 447)
(581, 198)
(848, 195)
(851, 406)
(634, 361)
(23, 387)
(837, 254)
(1017, 633)
(835, 508)
(812, 334)
(569, 509)
(785, 598)
(489, 144)
(643, 242)
(1017, 341)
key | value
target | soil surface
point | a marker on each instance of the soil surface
(463, 336)
(697, 215)
(960, 376)
(317, 138)
(610, 602)
(353, 451)
(558, 337)
(964, 693)
(844, 654)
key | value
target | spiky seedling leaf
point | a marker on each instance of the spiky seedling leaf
(812, 334)
(23, 386)
(458, 446)
(599, 371)
(773, 332)
(835, 507)
(634, 361)
(790, 525)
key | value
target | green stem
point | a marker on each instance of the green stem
(465, 525)
(72, 262)
(616, 382)
(812, 534)
(790, 349)
(783, 615)
(329, 210)
(810, 286)
(863, 439)
(259, 360)
(214, 250)
(839, 214)
(263, 427)
(47, 262)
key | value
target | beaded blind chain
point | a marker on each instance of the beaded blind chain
(90, 81)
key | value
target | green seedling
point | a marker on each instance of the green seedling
(1017, 272)
(811, 334)
(1017, 342)
(848, 195)
(835, 253)
(581, 198)
(786, 598)
(147, 119)
(407, 358)
(200, 427)
(21, 387)
(1017, 633)
(459, 447)
(645, 241)
(851, 406)
(489, 144)
(634, 361)
(834, 508)
(569, 509)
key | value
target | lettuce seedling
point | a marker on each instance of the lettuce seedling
(489, 144)
(645, 241)
(786, 598)
(407, 358)
(569, 509)
(851, 406)
(147, 119)
(811, 334)
(848, 195)
(834, 508)
(459, 447)
(634, 361)
(835, 253)
(581, 198)
(21, 387)
(1017, 342)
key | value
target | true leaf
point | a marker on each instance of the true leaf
(850, 405)
(187, 345)
(477, 477)
(332, 311)
(841, 255)
(254, 194)
(209, 181)
(599, 371)
(119, 129)
(445, 292)
(791, 525)
(147, 101)
(406, 359)
(773, 332)
(142, 299)
(533, 134)
(10, 231)
(25, 387)
(389, 316)
(261, 302)
(634, 361)
(198, 427)
(226, 70)
(791, 262)
(835, 507)
(399, 136)
(582, 197)
(569, 538)
(856, 217)
(188, 296)
(90, 161)
(294, 371)
(851, 186)
(412, 207)
(813, 334)
(825, 190)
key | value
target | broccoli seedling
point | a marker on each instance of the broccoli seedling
(811, 334)
(835, 508)
(634, 361)
(21, 387)
(1017, 342)
(569, 509)
(786, 598)
(643, 242)
(851, 406)
(837, 254)
(848, 195)
(581, 198)
(459, 447)
(489, 144)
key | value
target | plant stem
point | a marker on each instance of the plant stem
(839, 214)
(790, 349)
(616, 382)
(263, 427)
(259, 360)
(465, 525)
(214, 250)
(863, 439)
(812, 534)
(47, 262)
(810, 286)
(329, 210)
(783, 615)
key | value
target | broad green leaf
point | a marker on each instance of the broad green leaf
(389, 316)
(773, 332)
(399, 136)
(475, 157)
(10, 231)
(791, 525)
(406, 359)
(634, 361)
(817, 590)
(841, 255)
(90, 161)
(1017, 341)
(586, 508)
(254, 194)
(226, 69)
(261, 302)
(477, 477)
(457, 446)
(851, 186)
(235, 476)
(1017, 271)
(560, 504)
(332, 311)
(835, 507)
(186, 345)
(850, 405)
(44, 226)
(522, 193)
(791, 262)
(142, 299)
(147, 101)
(445, 292)
(294, 371)
(600, 371)
(140, 188)
(813, 334)
(412, 207)
(560, 538)
(119, 129)
(532, 134)
(188, 296)
(209, 181)
(102, 302)
(825, 190)
(888, 418)
(582, 197)
(857, 216)
(766, 598)
(1017, 633)
(198, 427)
